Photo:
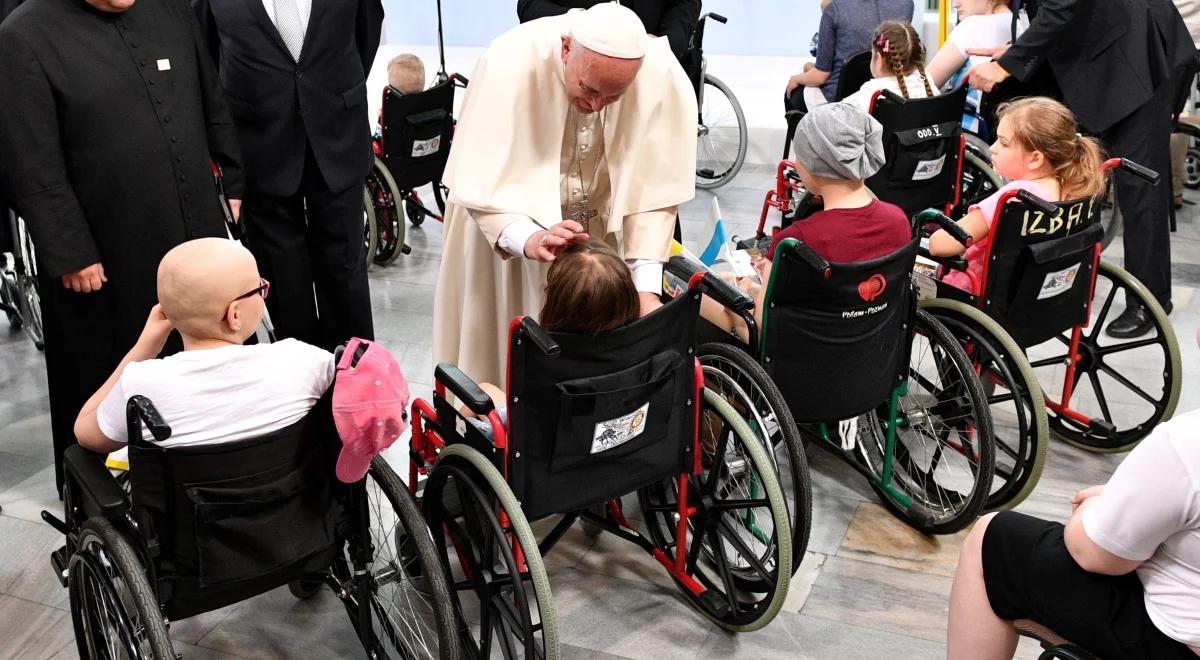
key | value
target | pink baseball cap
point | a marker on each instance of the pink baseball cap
(370, 406)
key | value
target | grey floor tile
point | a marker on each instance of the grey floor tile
(25, 570)
(276, 625)
(880, 597)
(822, 639)
(17, 468)
(32, 631)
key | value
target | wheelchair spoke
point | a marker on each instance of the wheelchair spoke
(723, 529)
(1100, 398)
(1129, 385)
(1127, 346)
(1099, 323)
(729, 505)
(722, 568)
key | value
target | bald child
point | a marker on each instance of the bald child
(217, 389)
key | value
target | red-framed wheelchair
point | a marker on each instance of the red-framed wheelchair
(587, 420)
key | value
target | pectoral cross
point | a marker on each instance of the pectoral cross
(584, 215)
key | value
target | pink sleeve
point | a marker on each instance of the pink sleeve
(988, 206)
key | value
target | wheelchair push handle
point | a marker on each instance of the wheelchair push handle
(727, 294)
(1144, 173)
(943, 222)
(461, 386)
(139, 412)
(716, 17)
(1037, 202)
(540, 337)
(893, 96)
(459, 79)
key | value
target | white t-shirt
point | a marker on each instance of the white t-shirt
(916, 89)
(984, 31)
(222, 394)
(1150, 510)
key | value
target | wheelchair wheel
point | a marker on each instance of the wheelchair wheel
(1110, 216)
(389, 218)
(502, 594)
(440, 193)
(1014, 398)
(370, 228)
(1130, 384)
(943, 458)
(113, 606)
(416, 214)
(10, 300)
(29, 302)
(979, 180)
(722, 138)
(1191, 168)
(735, 376)
(405, 591)
(734, 549)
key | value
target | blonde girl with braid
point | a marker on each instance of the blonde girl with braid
(898, 64)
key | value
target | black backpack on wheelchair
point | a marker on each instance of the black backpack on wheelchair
(203, 527)
(923, 143)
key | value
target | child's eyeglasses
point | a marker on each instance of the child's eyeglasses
(263, 289)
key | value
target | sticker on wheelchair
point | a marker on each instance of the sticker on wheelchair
(924, 283)
(616, 432)
(928, 169)
(426, 147)
(1058, 282)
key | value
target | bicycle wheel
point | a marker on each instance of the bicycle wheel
(722, 139)
(1014, 397)
(735, 376)
(943, 457)
(1130, 384)
(113, 608)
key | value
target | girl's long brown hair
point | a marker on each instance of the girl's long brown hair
(900, 45)
(589, 290)
(1045, 125)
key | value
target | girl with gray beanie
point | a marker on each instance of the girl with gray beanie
(837, 147)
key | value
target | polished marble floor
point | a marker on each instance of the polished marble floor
(869, 587)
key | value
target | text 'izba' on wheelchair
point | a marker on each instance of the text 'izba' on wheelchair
(202, 527)
(590, 418)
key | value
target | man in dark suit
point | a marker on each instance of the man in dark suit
(294, 72)
(674, 19)
(1116, 62)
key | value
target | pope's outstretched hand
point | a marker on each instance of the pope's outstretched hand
(545, 245)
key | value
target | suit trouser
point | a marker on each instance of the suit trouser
(309, 245)
(1145, 138)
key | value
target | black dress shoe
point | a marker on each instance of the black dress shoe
(1133, 322)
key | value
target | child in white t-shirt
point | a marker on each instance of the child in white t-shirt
(898, 64)
(217, 389)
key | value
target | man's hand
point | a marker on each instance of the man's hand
(1084, 495)
(649, 301)
(235, 210)
(545, 245)
(986, 76)
(993, 53)
(794, 82)
(85, 280)
(154, 335)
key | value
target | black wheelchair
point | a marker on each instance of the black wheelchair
(1029, 309)
(590, 419)
(203, 527)
(19, 293)
(846, 342)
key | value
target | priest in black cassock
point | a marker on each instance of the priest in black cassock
(111, 111)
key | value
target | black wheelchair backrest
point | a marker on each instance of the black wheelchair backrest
(836, 335)
(231, 520)
(923, 143)
(592, 417)
(856, 70)
(416, 133)
(1040, 265)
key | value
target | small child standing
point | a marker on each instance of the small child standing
(837, 147)
(898, 64)
(1037, 149)
(216, 390)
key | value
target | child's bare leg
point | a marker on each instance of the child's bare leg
(494, 393)
(974, 630)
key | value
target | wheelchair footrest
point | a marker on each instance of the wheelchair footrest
(715, 604)
(1103, 429)
(59, 561)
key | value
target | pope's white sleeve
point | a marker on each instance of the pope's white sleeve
(648, 235)
(647, 275)
(514, 237)
(499, 231)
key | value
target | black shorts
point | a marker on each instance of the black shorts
(1030, 575)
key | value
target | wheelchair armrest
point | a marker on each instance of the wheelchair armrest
(98, 488)
(723, 292)
(953, 263)
(953, 228)
(461, 386)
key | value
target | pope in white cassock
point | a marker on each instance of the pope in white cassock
(573, 126)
